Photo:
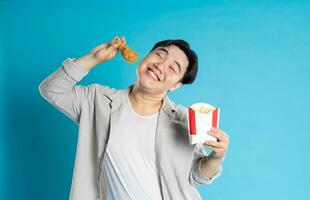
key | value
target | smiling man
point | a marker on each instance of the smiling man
(133, 143)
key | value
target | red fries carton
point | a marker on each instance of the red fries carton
(201, 118)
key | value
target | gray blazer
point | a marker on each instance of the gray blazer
(95, 109)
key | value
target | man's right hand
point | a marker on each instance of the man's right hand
(99, 54)
(105, 52)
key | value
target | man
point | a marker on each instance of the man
(133, 143)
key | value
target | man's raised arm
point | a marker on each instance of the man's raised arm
(61, 89)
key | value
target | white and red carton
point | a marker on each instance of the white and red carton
(199, 123)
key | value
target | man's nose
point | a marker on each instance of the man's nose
(160, 67)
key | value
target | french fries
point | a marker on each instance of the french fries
(203, 110)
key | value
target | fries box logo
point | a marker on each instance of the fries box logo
(201, 118)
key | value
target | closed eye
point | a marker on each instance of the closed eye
(159, 55)
(172, 69)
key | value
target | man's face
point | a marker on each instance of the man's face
(162, 69)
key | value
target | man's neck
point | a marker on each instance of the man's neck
(144, 103)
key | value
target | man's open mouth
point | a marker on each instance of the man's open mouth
(153, 74)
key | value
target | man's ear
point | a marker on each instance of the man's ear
(176, 86)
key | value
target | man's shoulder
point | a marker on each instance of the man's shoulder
(180, 115)
(180, 110)
(104, 89)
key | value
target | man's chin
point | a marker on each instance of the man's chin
(150, 86)
(149, 80)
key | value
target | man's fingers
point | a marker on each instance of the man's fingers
(112, 54)
(116, 37)
(214, 144)
(110, 50)
(214, 148)
(124, 39)
(220, 135)
(102, 46)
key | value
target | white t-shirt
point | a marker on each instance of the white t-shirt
(129, 170)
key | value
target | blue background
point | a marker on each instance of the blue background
(254, 65)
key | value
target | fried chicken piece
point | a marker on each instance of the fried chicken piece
(128, 54)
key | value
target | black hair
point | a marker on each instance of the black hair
(192, 68)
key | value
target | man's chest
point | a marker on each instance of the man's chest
(133, 135)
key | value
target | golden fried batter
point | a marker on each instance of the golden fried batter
(128, 54)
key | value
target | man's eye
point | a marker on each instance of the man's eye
(158, 55)
(172, 69)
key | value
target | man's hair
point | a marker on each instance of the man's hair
(192, 69)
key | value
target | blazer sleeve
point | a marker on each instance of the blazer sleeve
(61, 90)
(196, 177)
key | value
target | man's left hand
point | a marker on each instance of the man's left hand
(220, 146)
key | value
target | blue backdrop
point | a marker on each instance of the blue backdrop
(254, 65)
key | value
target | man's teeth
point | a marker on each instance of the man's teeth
(154, 75)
